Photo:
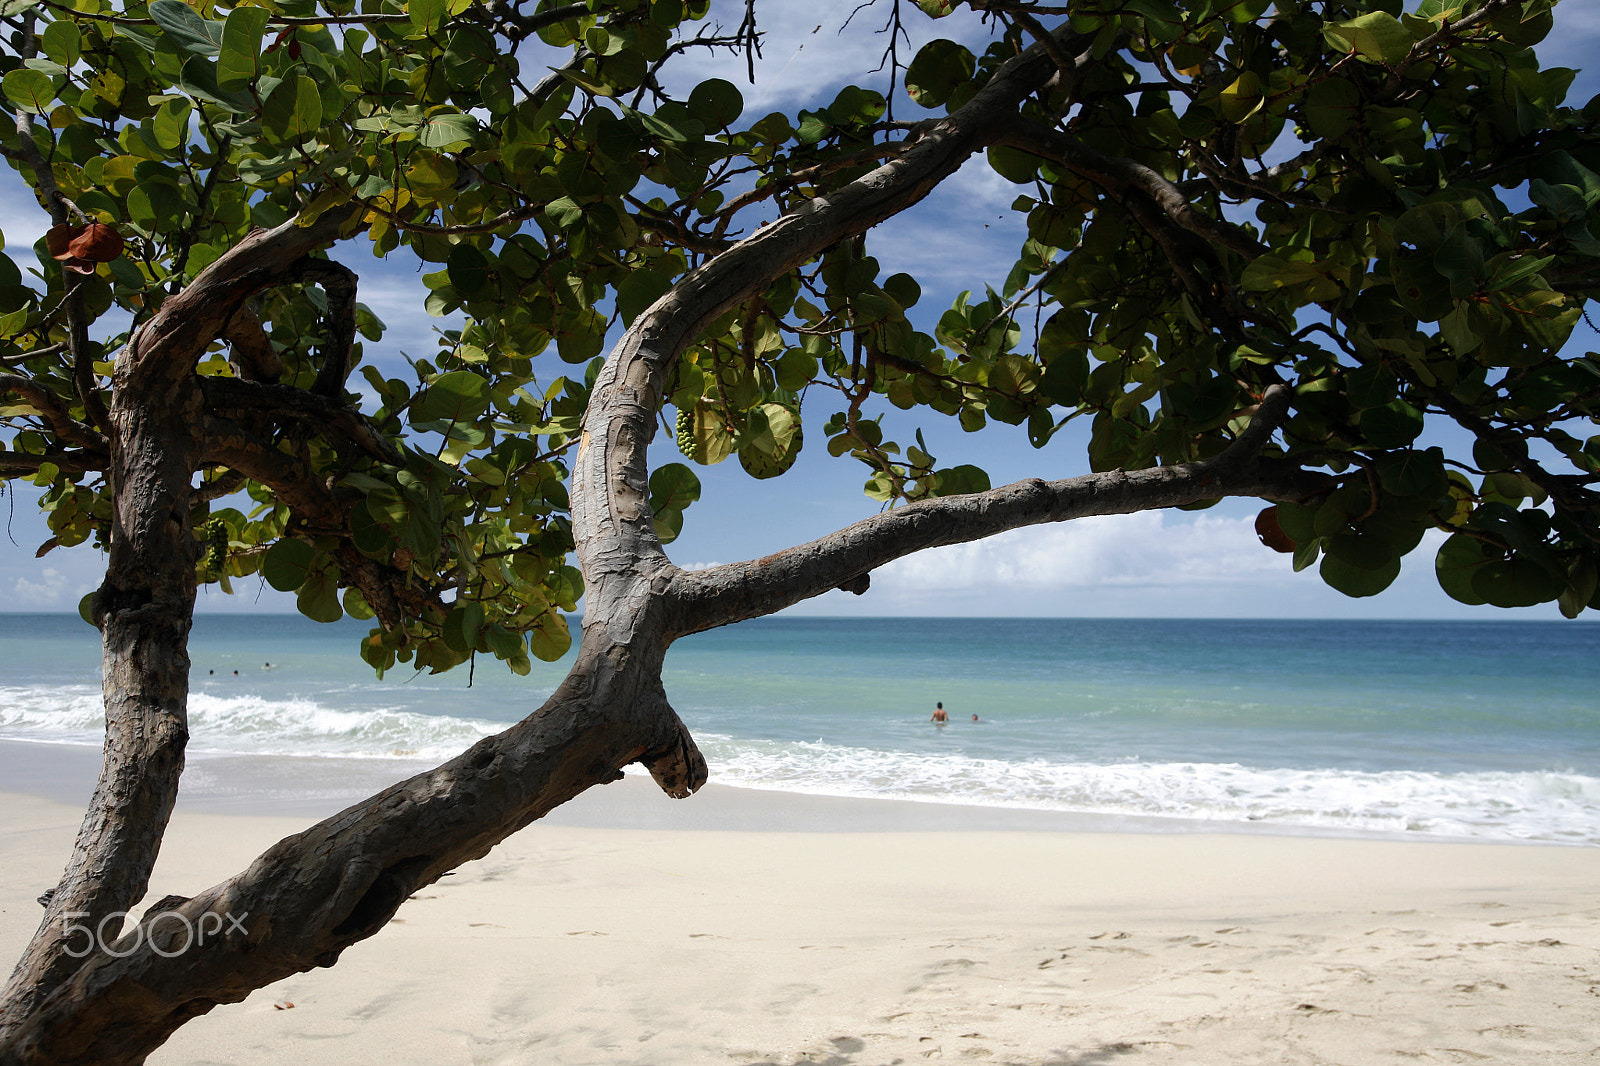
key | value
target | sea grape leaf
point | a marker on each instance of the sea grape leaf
(239, 60)
(549, 637)
(1357, 581)
(1376, 35)
(673, 487)
(186, 28)
(287, 564)
(457, 397)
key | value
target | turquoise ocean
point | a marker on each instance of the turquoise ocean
(1477, 730)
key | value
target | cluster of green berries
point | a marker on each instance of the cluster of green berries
(686, 442)
(214, 549)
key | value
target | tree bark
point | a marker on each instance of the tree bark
(144, 609)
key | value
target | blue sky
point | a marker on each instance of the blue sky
(1162, 564)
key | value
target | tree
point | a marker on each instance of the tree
(1270, 249)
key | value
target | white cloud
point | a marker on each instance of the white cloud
(1151, 548)
(52, 591)
(963, 236)
(23, 221)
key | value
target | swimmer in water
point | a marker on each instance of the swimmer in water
(939, 714)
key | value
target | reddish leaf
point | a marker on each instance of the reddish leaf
(98, 243)
(56, 239)
(1271, 533)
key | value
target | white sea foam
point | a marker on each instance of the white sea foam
(1551, 806)
(1548, 806)
(251, 725)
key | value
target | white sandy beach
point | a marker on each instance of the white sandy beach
(577, 945)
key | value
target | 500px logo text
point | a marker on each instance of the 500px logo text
(210, 925)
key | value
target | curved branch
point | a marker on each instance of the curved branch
(54, 412)
(392, 593)
(1121, 176)
(287, 402)
(313, 894)
(719, 596)
(145, 606)
(168, 344)
(66, 462)
(339, 282)
(622, 560)
(254, 358)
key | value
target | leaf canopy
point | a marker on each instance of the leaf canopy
(1392, 213)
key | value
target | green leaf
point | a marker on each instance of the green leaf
(1014, 164)
(427, 15)
(1460, 259)
(29, 90)
(186, 28)
(1358, 581)
(294, 110)
(1243, 98)
(775, 443)
(960, 480)
(673, 487)
(550, 638)
(717, 103)
(463, 625)
(565, 212)
(62, 41)
(1332, 107)
(1559, 168)
(1516, 581)
(457, 397)
(1582, 582)
(287, 564)
(469, 270)
(199, 79)
(638, 291)
(713, 442)
(170, 123)
(447, 131)
(1376, 35)
(1458, 562)
(1413, 473)
(356, 606)
(1394, 425)
(239, 60)
(936, 70)
(318, 598)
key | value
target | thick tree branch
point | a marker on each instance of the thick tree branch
(253, 356)
(66, 462)
(1123, 176)
(708, 598)
(145, 606)
(281, 403)
(54, 412)
(189, 321)
(306, 899)
(622, 560)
